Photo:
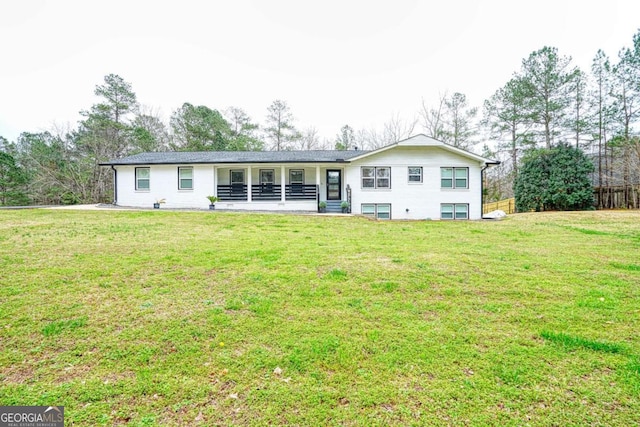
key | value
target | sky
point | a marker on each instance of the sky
(334, 62)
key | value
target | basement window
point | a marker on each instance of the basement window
(454, 211)
(376, 210)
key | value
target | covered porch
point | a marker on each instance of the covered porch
(277, 187)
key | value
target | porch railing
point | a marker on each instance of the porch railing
(266, 192)
(238, 192)
(300, 192)
(234, 192)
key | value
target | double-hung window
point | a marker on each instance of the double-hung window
(454, 211)
(236, 178)
(296, 180)
(267, 179)
(376, 210)
(454, 177)
(267, 176)
(143, 179)
(415, 174)
(376, 177)
(296, 176)
(185, 178)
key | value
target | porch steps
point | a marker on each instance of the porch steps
(333, 206)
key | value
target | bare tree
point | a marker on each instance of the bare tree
(396, 129)
(309, 140)
(432, 118)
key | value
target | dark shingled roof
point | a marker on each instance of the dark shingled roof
(186, 157)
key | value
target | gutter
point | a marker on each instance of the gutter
(115, 185)
(268, 162)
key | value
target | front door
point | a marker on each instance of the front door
(334, 184)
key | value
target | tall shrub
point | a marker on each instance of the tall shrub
(554, 179)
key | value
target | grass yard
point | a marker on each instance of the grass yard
(212, 318)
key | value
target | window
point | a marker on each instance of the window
(236, 177)
(374, 210)
(376, 177)
(384, 211)
(296, 180)
(454, 211)
(185, 178)
(454, 177)
(296, 176)
(368, 210)
(415, 174)
(267, 176)
(143, 179)
(368, 177)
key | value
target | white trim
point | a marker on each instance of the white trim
(422, 140)
(249, 183)
(283, 191)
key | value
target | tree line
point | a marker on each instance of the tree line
(548, 102)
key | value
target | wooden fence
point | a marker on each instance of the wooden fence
(506, 205)
(618, 197)
(605, 198)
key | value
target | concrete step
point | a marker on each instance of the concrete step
(333, 206)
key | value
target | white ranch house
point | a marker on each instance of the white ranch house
(417, 178)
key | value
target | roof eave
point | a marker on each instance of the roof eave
(340, 161)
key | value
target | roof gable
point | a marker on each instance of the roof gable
(422, 140)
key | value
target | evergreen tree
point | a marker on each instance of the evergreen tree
(345, 140)
(508, 120)
(199, 128)
(554, 179)
(104, 134)
(243, 131)
(601, 102)
(148, 133)
(459, 121)
(13, 182)
(548, 77)
(280, 129)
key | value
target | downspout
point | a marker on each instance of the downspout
(115, 185)
(486, 165)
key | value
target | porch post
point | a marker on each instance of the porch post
(318, 179)
(215, 181)
(282, 183)
(249, 181)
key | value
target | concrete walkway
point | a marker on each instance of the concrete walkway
(106, 207)
(81, 207)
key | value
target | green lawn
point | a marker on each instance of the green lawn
(213, 318)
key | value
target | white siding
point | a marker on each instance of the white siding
(416, 200)
(163, 184)
(408, 200)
